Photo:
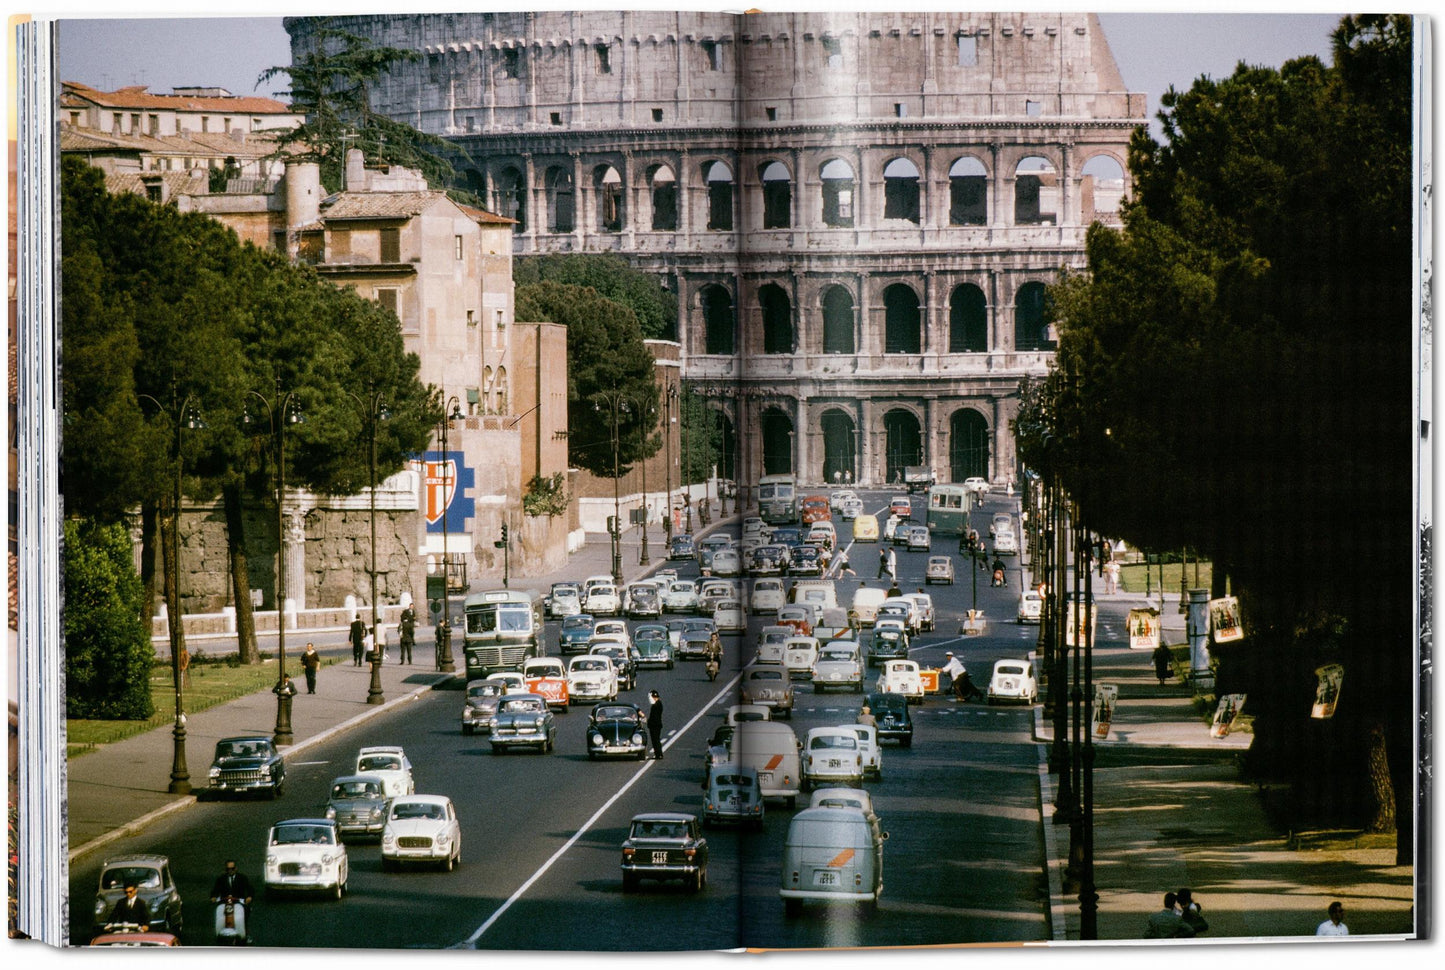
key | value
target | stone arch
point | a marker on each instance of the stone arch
(968, 445)
(967, 320)
(561, 199)
(902, 320)
(968, 192)
(1031, 330)
(1101, 186)
(509, 197)
(611, 201)
(719, 180)
(777, 195)
(1036, 192)
(839, 321)
(777, 440)
(839, 186)
(840, 445)
(902, 442)
(501, 392)
(719, 321)
(662, 186)
(901, 190)
(777, 314)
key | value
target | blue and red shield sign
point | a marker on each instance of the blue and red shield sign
(439, 488)
(447, 482)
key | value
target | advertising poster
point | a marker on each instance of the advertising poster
(1105, 697)
(1224, 619)
(1327, 693)
(1074, 631)
(1143, 629)
(1229, 707)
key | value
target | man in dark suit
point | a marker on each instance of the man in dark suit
(654, 724)
(131, 909)
(231, 884)
(358, 635)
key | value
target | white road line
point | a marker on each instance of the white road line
(522, 889)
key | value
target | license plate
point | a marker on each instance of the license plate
(659, 858)
(825, 877)
(834, 763)
(765, 777)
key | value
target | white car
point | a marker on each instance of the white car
(1005, 542)
(799, 653)
(1013, 680)
(838, 496)
(872, 751)
(421, 828)
(901, 677)
(727, 562)
(831, 755)
(591, 677)
(822, 533)
(768, 596)
(601, 579)
(512, 682)
(740, 713)
(565, 600)
(975, 484)
(680, 597)
(1001, 522)
(1031, 606)
(602, 600)
(611, 630)
(852, 508)
(927, 619)
(390, 764)
(839, 667)
(729, 617)
(755, 526)
(306, 855)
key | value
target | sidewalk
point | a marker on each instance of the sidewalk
(1170, 811)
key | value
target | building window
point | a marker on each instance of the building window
(499, 319)
(664, 199)
(75, 119)
(967, 321)
(512, 62)
(833, 51)
(155, 124)
(656, 114)
(471, 123)
(557, 118)
(117, 122)
(772, 113)
(712, 54)
(837, 321)
(719, 180)
(900, 110)
(1036, 192)
(903, 319)
(391, 245)
(717, 320)
(777, 196)
(387, 300)
(205, 123)
(967, 51)
(777, 314)
(226, 125)
(1033, 108)
(837, 179)
(559, 200)
(900, 190)
(471, 318)
(153, 191)
(609, 200)
(135, 124)
(967, 193)
(458, 245)
(604, 58)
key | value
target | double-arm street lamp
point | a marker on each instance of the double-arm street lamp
(451, 411)
(373, 409)
(281, 410)
(184, 416)
(614, 402)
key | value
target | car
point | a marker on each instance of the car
(815, 508)
(664, 845)
(797, 616)
(674, 633)
(1005, 543)
(893, 720)
(900, 609)
(622, 658)
(565, 600)
(729, 616)
(918, 539)
(480, 705)
(727, 562)
(733, 795)
(839, 497)
(868, 747)
(245, 764)
(767, 560)
(839, 666)
(617, 728)
(644, 601)
(768, 687)
(852, 509)
(939, 569)
(653, 646)
(1031, 607)
(789, 536)
(901, 677)
(798, 656)
(576, 631)
(154, 884)
(610, 630)
(546, 676)
(681, 547)
(680, 597)
(389, 762)
(978, 486)
(865, 528)
(1012, 680)
(510, 681)
(887, 643)
(754, 526)
(591, 678)
(857, 799)
(743, 713)
(717, 751)
(927, 617)
(714, 591)
(603, 600)
(600, 579)
(822, 534)
(832, 855)
(714, 542)
(768, 596)
(1001, 522)
(901, 506)
(831, 756)
(697, 644)
(422, 829)
(525, 721)
(358, 804)
(305, 855)
(806, 560)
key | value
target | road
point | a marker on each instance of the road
(964, 861)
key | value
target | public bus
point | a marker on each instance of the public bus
(948, 507)
(778, 499)
(503, 629)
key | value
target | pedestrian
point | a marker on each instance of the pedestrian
(368, 644)
(358, 640)
(1190, 912)
(837, 476)
(865, 716)
(381, 642)
(1163, 660)
(131, 909)
(1335, 925)
(893, 566)
(286, 689)
(1111, 577)
(311, 662)
(848, 477)
(882, 563)
(408, 633)
(654, 724)
(843, 568)
(1167, 923)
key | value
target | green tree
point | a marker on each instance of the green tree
(605, 355)
(1233, 376)
(612, 277)
(108, 653)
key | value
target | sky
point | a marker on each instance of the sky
(1153, 50)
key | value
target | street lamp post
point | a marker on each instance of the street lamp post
(451, 411)
(183, 416)
(280, 411)
(375, 410)
(642, 421)
(615, 402)
(687, 455)
(669, 401)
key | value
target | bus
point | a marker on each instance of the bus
(778, 499)
(503, 630)
(948, 507)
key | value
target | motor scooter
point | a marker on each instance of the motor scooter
(231, 922)
(712, 668)
(998, 579)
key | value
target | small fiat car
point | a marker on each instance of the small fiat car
(390, 763)
(831, 756)
(1012, 680)
(664, 845)
(306, 855)
(733, 795)
(901, 677)
(839, 667)
(358, 805)
(576, 631)
(422, 829)
(767, 686)
(591, 678)
(1031, 606)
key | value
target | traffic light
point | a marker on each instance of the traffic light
(504, 532)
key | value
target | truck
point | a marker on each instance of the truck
(918, 478)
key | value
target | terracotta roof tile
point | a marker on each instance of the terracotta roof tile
(180, 183)
(379, 205)
(486, 218)
(137, 96)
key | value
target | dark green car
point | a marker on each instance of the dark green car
(576, 631)
(653, 646)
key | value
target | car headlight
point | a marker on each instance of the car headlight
(637, 738)
(442, 840)
(596, 738)
(388, 837)
(330, 811)
(265, 771)
(215, 772)
(271, 860)
(99, 907)
(327, 859)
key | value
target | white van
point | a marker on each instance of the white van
(771, 749)
(866, 600)
(832, 855)
(821, 592)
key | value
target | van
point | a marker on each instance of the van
(832, 855)
(823, 592)
(866, 600)
(865, 528)
(772, 750)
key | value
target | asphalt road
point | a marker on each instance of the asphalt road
(541, 834)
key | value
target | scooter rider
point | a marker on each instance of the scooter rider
(232, 886)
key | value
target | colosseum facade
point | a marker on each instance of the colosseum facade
(858, 212)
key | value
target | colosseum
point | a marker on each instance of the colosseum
(857, 212)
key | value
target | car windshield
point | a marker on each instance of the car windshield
(484, 690)
(302, 835)
(1008, 669)
(355, 789)
(242, 749)
(578, 622)
(766, 675)
(681, 588)
(840, 803)
(418, 810)
(597, 664)
(618, 713)
(521, 706)
(732, 781)
(827, 655)
(833, 741)
(145, 877)
(379, 762)
(659, 830)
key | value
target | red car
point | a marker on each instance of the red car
(900, 506)
(815, 508)
(800, 618)
(546, 676)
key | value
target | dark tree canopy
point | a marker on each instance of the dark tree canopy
(108, 651)
(611, 276)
